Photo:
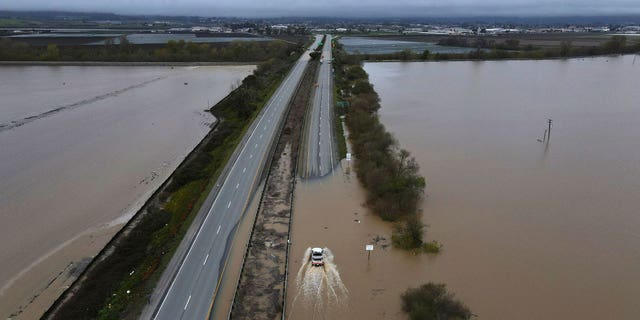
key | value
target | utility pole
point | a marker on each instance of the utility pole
(549, 130)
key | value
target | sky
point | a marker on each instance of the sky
(336, 8)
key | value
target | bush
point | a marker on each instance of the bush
(409, 234)
(432, 302)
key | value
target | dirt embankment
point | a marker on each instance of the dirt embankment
(260, 292)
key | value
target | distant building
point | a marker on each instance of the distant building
(341, 29)
(631, 29)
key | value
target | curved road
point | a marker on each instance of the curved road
(319, 154)
(192, 289)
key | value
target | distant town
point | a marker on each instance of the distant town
(18, 23)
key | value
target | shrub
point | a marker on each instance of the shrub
(432, 302)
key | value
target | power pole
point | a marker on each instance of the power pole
(549, 130)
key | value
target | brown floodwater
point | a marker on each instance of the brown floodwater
(70, 178)
(530, 230)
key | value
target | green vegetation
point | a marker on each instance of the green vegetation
(408, 235)
(118, 286)
(173, 51)
(340, 138)
(509, 49)
(433, 302)
(388, 173)
(339, 110)
(9, 22)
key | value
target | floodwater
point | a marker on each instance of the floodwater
(328, 212)
(378, 46)
(81, 149)
(319, 288)
(530, 230)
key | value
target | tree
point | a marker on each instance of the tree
(409, 234)
(362, 87)
(406, 54)
(615, 44)
(425, 55)
(52, 53)
(431, 301)
(356, 73)
(565, 48)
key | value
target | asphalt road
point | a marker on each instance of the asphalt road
(319, 154)
(191, 292)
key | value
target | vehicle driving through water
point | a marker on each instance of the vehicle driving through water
(317, 257)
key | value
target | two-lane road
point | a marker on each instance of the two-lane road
(319, 154)
(192, 291)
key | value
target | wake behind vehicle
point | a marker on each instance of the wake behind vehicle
(317, 257)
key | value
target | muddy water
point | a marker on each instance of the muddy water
(328, 213)
(69, 179)
(530, 231)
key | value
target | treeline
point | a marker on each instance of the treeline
(388, 173)
(119, 286)
(510, 49)
(507, 44)
(172, 51)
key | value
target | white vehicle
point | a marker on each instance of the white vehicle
(317, 257)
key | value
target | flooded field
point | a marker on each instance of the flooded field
(530, 230)
(81, 149)
(376, 46)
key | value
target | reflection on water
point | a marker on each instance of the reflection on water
(86, 168)
(531, 230)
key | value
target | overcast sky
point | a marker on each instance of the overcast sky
(343, 8)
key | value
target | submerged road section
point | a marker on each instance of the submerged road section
(319, 156)
(192, 290)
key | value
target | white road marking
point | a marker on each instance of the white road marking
(237, 185)
(187, 304)
(256, 145)
(250, 156)
(229, 205)
(244, 170)
(205, 259)
(220, 226)
(261, 136)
